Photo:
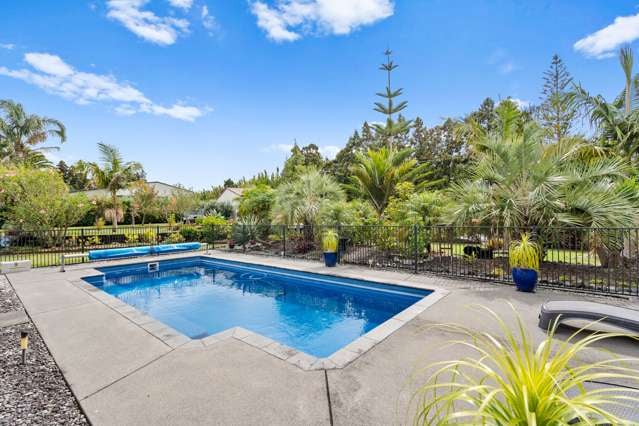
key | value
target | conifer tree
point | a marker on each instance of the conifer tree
(391, 131)
(557, 111)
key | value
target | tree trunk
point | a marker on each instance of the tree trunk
(114, 218)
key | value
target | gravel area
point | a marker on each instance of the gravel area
(8, 300)
(35, 393)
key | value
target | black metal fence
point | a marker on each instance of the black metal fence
(582, 259)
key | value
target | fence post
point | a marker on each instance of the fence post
(283, 240)
(82, 239)
(339, 238)
(415, 246)
(244, 238)
(157, 234)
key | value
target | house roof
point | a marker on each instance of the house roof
(162, 189)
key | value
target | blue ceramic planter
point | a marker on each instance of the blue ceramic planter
(330, 259)
(525, 279)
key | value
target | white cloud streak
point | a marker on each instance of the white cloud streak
(8, 46)
(289, 20)
(182, 4)
(146, 24)
(55, 76)
(603, 43)
(208, 21)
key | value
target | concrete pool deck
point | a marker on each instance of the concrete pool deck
(125, 373)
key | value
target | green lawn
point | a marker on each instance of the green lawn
(574, 257)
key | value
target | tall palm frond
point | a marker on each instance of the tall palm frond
(376, 174)
(21, 133)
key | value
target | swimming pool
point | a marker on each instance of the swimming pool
(201, 296)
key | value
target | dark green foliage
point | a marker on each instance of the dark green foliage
(257, 201)
(445, 149)
(212, 208)
(190, 233)
(76, 175)
(212, 228)
(302, 159)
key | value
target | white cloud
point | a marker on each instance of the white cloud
(146, 24)
(329, 151)
(521, 103)
(55, 76)
(8, 46)
(501, 59)
(603, 43)
(182, 4)
(208, 21)
(288, 20)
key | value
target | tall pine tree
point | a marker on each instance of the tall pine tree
(557, 111)
(392, 130)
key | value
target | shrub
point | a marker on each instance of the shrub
(149, 236)
(94, 240)
(131, 237)
(100, 223)
(190, 233)
(213, 228)
(174, 238)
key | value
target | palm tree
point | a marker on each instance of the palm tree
(522, 182)
(376, 174)
(114, 174)
(299, 201)
(21, 132)
(617, 122)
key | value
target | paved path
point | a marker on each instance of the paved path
(122, 374)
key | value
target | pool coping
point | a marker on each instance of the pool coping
(339, 359)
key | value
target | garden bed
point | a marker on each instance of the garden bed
(35, 393)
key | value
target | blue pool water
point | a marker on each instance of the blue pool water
(200, 296)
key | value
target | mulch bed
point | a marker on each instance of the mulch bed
(35, 393)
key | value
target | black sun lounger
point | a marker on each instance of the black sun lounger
(620, 317)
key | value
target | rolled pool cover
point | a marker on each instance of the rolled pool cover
(119, 252)
(169, 248)
(141, 251)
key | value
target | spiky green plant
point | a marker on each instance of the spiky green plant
(524, 254)
(510, 381)
(329, 241)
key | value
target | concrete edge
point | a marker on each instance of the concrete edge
(338, 360)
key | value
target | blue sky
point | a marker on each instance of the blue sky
(201, 90)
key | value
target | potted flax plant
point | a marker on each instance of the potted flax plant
(330, 241)
(524, 261)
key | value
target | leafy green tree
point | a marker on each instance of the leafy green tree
(392, 129)
(558, 109)
(144, 201)
(180, 203)
(77, 175)
(257, 201)
(21, 133)
(359, 142)
(376, 175)
(301, 160)
(38, 201)
(443, 148)
(300, 201)
(114, 174)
